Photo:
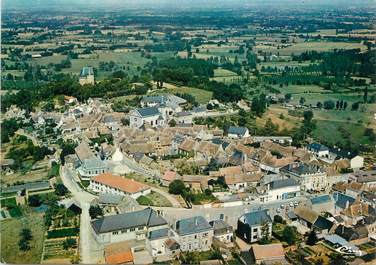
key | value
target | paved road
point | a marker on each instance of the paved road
(230, 214)
(90, 251)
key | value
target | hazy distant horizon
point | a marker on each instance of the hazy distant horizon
(173, 4)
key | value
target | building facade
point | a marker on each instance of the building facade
(194, 234)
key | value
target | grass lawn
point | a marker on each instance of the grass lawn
(274, 113)
(347, 116)
(281, 65)
(219, 72)
(295, 89)
(10, 230)
(10, 203)
(313, 98)
(319, 46)
(328, 131)
(54, 171)
(124, 59)
(202, 96)
(154, 199)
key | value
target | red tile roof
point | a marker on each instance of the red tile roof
(118, 253)
(123, 184)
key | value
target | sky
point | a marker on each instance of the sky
(169, 4)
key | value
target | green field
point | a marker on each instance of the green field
(124, 59)
(10, 230)
(328, 132)
(313, 98)
(319, 46)
(295, 89)
(282, 65)
(201, 96)
(154, 199)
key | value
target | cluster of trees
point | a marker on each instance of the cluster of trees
(194, 72)
(189, 98)
(67, 148)
(28, 98)
(8, 129)
(25, 237)
(107, 66)
(329, 104)
(181, 70)
(259, 104)
(23, 149)
(343, 62)
(178, 187)
(95, 211)
(306, 128)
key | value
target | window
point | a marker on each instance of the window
(132, 229)
(195, 236)
(255, 230)
(115, 233)
(254, 237)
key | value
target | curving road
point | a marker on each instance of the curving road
(90, 251)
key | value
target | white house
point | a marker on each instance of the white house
(150, 116)
(318, 149)
(310, 176)
(109, 183)
(91, 167)
(251, 226)
(127, 226)
(237, 132)
(194, 234)
(222, 231)
(356, 161)
(160, 243)
(281, 189)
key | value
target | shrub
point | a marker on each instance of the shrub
(66, 232)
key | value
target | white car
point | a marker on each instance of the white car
(291, 204)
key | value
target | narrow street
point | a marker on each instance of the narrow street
(90, 251)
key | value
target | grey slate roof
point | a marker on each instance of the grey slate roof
(257, 217)
(323, 223)
(237, 130)
(33, 186)
(316, 147)
(303, 168)
(193, 225)
(220, 227)
(282, 183)
(146, 217)
(154, 99)
(321, 199)
(160, 233)
(93, 163)
(147, 112)
(85, 71)
(221, 142)
(342, 153)
(107, 198)
(341, 200)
